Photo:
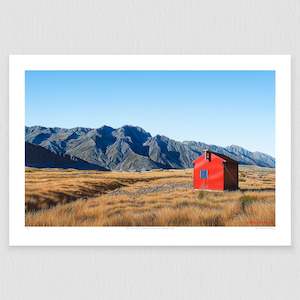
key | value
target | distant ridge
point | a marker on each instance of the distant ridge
(131, 148)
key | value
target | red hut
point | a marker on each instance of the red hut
(214, 171)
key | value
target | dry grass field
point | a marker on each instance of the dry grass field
(157, 198)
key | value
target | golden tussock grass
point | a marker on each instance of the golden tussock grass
(157, 198)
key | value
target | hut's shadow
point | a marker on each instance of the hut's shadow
(258, 190)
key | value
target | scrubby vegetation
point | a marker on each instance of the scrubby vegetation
(157, 198)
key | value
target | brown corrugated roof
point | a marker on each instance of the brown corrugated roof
(223, 156)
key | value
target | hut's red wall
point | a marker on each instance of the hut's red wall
(215, 168)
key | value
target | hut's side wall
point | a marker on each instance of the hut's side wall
(231, 176)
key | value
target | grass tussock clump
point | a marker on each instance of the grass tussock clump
(245, 201)
(201, 195)
(157, 198)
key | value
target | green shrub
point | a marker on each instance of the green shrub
(246, 200)
(201, 195)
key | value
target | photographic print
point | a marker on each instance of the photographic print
(177, 149)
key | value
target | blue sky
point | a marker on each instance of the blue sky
(215, 107)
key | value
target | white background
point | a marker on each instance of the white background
(164, 236)
(149, 27)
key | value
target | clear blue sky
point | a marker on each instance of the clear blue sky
(216, 107)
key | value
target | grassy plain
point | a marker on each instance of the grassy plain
(157, 198)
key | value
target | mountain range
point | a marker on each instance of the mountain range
(128, 148)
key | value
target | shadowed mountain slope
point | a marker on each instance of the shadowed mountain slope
(39, 157)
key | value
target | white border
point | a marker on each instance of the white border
(19, 235)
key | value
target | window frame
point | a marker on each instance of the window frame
(203, 176)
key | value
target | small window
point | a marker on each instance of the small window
(203, 174)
